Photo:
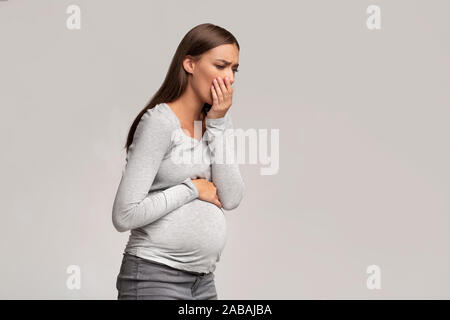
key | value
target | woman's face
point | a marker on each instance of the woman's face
(221, 61)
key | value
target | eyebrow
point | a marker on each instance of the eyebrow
(228, 62)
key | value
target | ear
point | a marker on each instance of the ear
(189, 64)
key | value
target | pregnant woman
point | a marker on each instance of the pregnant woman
(174, 209)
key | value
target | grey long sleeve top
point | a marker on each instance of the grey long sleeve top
(158, 202)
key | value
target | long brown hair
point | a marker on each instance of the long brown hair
(198, 40)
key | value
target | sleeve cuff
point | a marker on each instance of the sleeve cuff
(188, 182)
(216, 122)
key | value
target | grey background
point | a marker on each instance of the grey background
(364, 143)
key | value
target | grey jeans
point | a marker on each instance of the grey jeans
(142, 279)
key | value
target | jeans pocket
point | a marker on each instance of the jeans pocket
(128, 274)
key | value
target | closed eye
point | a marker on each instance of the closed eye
(222, 67)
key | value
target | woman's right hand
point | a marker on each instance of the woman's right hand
(207, 191)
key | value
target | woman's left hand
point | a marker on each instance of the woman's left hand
(222, 94)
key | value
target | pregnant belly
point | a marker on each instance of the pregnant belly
(196, 227)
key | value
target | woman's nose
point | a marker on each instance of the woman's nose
(231, 78)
